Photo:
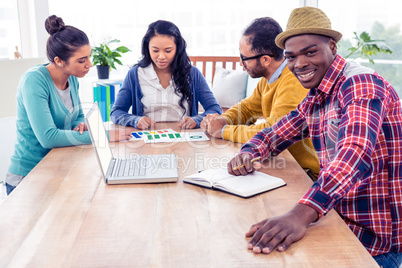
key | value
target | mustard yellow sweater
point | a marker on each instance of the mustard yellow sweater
(272, 101)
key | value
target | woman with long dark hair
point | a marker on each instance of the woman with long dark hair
(49, 112)
(163, 86)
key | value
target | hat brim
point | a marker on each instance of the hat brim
(281, 38)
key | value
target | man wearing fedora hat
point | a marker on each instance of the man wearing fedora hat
(354, 119)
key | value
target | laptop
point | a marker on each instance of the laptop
(136, 169)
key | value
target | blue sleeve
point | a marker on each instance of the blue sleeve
(36, 99)
(204, 95)
(127, 98)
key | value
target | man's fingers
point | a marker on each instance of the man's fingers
(286, 243)
(257, 165)
(277, 233)
(252, 231)
(269, 241)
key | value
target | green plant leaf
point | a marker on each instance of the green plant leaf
(366, 47)
(115, 54)
(118, 61)
(112, 41)
(123, 49)
(103, 55)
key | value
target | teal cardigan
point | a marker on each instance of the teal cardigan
(43, 122)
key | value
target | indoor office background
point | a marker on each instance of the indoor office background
(210, 27)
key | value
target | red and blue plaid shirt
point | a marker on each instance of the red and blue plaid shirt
(354, 119)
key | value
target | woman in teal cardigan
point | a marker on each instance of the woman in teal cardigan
(49, 112)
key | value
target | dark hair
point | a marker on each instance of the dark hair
(180, 66)
(64, 40)
(261, 35)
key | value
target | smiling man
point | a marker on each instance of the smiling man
(354, 119)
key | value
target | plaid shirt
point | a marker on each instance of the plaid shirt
(354, 119)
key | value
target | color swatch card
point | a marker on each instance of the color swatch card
(164, 137)
(176, 137)
(140, 135)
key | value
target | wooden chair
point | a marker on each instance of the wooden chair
(212, 61)
(216, 61)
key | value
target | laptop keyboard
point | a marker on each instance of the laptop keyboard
(130, 167)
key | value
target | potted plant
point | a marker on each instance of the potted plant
(367, 47)
(105, 58)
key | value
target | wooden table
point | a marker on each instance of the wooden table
(63, 215)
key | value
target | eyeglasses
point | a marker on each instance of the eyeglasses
(243, 59)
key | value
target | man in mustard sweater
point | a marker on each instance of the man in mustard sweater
(277, 93)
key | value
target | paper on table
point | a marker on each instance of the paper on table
(176, 137)
(139, 135)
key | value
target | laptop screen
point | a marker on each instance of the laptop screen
(99, 137)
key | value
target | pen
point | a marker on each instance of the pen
(252, 161)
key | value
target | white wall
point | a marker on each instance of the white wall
(10, 74)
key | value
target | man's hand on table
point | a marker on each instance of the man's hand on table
(280, 232)
(213, 124)
(277, 232)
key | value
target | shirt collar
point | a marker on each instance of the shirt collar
(330, 78)
(277, 72)
(150, 73)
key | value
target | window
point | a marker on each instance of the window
(382, 21)
(214, 27)
(9, 29)
(210, 27)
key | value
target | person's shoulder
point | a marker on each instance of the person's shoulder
(361, 82)
(195, 74)
(37, 70)
(195, 71)
(353, 69)
(36, 80)
(36, 73)
(134, 70)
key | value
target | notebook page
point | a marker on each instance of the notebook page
(249, 184)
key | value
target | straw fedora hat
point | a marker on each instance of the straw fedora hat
(307, 20)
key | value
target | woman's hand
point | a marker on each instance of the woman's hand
(187, 122)
(81, 127)
(145, 122)
(119, 134)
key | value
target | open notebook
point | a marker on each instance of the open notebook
(244, 186)
(140, 169)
